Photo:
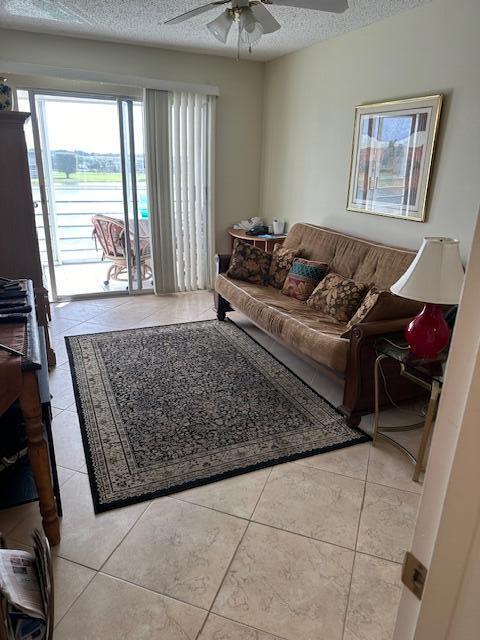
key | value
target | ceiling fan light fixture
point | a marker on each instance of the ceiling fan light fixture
(264, 17)
(251, 30)
(220, 27)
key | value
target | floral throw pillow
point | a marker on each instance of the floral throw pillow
(303, 277)
(382, 305)
(282, 261)
(368, 303)
(249, 263)
(338, 297)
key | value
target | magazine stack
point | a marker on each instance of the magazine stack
(26, 591)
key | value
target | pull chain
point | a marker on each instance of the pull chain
(238, 42)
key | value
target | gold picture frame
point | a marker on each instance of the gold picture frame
(392, 154)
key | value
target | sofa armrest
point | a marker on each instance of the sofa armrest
(222, 261)
(358, 397)
(365, 330)
(221, 305)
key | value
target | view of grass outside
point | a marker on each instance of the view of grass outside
(90, 176)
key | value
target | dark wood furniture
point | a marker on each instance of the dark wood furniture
(19, 252)
(359, 389)
(427, 374)
(265, 243)
(358, 381)
(24, 388)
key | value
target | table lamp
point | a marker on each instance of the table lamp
(435, 277)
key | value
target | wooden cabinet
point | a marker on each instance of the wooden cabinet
(19, 252)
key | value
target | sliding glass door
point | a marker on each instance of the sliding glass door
(88, 179)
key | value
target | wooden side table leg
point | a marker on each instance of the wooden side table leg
(427, 429)
(38, 455)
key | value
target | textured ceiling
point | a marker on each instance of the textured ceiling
(141, 22)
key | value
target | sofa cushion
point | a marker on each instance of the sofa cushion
(361, 260)
(249, 263)
(303, 277)
(282, 260)
(307, 331)
(337, 296)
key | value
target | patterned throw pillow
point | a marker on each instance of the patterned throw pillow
(282, 260)
(249, 263)
(368, 303)
(303, 277)
(338, 297)
(382, 305)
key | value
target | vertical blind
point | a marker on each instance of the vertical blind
(190, 149)
(179, 135)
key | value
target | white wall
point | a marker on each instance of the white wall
(239, 106)
(310, 98)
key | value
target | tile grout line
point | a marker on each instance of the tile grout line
(248, 626)
(174, 496)
(347, 604)
(301, 463)
(223, 580)
(150, 590)
(388, 486)
(97, 571)
(233, 557)
(79, 595)
(261, 493)
(149, 504)
(303, 535)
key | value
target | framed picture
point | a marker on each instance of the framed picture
(393, 145)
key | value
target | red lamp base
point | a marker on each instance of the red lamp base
(428, 333)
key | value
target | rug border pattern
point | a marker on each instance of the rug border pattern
(100, 507)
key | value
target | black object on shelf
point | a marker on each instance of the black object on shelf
(257, 231)
(17, 485)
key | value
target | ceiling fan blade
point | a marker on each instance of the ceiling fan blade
(263, 15)
(196, 12)
(334, 6)
(47, 10)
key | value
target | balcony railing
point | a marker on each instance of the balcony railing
(71, 223)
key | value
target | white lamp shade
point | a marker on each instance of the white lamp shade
(220, 27)
(435, 275)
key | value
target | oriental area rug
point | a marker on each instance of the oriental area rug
(168, 408)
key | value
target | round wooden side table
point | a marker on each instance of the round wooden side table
(265, 242)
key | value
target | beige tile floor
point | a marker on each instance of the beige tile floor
(309, 550)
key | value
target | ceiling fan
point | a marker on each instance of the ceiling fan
(253, 18)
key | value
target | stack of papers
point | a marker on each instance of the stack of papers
(26, 591)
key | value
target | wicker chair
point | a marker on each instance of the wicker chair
(110, 234)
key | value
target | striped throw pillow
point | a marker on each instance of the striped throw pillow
(303, 277)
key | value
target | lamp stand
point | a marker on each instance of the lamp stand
(428, 333)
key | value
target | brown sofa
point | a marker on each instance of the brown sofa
(318, 337)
